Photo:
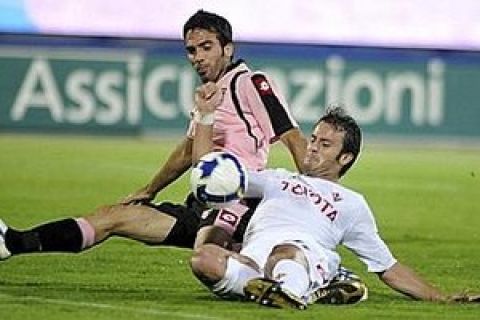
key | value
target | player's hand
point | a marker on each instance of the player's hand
(207, 98)
(139, 197)
(464, 297)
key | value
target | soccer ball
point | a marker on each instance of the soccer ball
(218, 180)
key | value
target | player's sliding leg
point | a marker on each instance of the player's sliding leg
(271, 293)
(63, 235)
(224, 272)
(297, 274)
(137, 222)
(164, 224)
(287, 279)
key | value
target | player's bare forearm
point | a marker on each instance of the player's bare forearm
(202, 143)
(296, 143)
(403, 279)
(208, 97)
(177, 163)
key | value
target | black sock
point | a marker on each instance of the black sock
(58, 236)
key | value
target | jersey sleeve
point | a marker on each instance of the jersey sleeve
(269, 106)
(260, 181)
(257, 182)
(363, 239)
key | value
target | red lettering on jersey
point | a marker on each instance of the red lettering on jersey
(299, 189)
(337, 197)
(326, 205)
(315, 197)
(332, 215)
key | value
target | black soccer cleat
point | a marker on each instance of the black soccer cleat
(269, 293)
(4, 252)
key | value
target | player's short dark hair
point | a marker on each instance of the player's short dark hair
(340, 120)
(212, 22)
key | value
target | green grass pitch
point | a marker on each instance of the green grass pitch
(427, 204)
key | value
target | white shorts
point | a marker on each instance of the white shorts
(322, 263)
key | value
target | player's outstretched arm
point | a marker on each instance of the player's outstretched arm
(177, 163)
(403, 279)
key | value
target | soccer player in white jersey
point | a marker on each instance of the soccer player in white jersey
(288, 255)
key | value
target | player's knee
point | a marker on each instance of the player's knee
(106, 219)
(223, 273)
(205, 264)
(199, 262)
(110, 209)
(284, 251)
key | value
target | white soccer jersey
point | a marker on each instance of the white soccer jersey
(297, 207)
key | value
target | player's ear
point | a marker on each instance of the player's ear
(345, 158)
(228, 49)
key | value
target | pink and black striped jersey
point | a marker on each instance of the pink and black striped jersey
(253, 115)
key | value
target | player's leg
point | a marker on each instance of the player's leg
(156, 224)
(163, 224)
(328, 282)
(286, 279)
(224, 272)
(78, 234)
(57, 236)
(138, 222)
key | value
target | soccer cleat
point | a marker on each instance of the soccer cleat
(345, 274)
(340, 292)
(4, 253)
(270, 293)
(345, 288)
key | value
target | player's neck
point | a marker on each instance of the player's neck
(224, 71)
(323, 174)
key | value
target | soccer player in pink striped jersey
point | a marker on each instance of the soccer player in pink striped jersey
(251, 114)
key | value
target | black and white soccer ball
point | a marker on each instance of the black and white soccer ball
(218, 180)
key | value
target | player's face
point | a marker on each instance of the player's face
(322, 158)
(206, 54)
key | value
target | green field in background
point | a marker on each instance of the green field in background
(426, 201)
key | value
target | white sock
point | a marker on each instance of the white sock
(235, 278)
(292, 275)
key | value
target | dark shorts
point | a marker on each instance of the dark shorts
(208, 220)
(188, 215)
(189, 220)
